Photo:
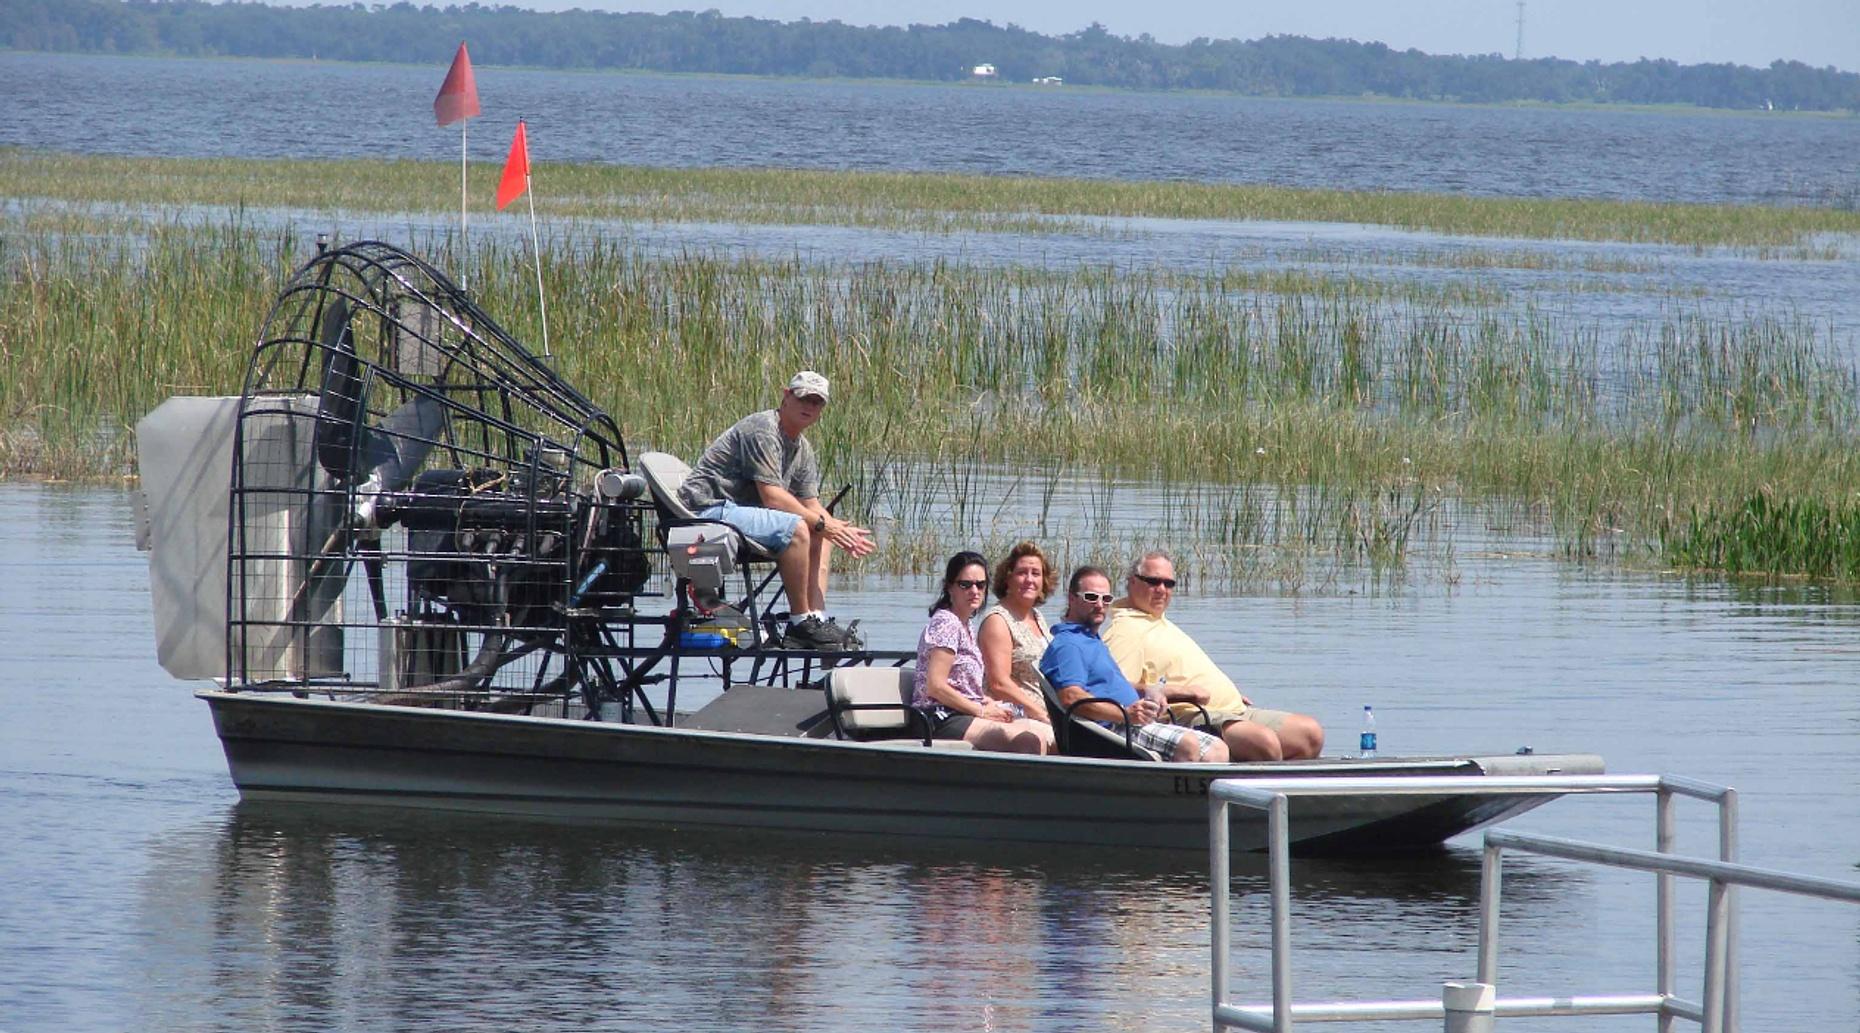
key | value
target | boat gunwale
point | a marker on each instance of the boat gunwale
(1470, 764)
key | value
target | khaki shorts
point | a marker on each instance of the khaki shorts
(1273, 719)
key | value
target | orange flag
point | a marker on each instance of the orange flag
(516, 169)
(458, 95)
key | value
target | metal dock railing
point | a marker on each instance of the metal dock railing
(1472, 1007)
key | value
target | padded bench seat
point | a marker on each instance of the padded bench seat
(874, 704)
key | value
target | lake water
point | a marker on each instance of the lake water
(139, 894)
(176, 107)
(297, 109)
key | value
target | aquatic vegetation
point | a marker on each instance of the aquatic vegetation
(899, 200)
(96, 330)
(1768, 533)
(1325, 420)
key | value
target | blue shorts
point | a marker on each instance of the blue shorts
(770, 528)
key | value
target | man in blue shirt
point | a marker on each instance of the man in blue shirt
(1080, 667)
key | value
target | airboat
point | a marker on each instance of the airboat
(411, 565)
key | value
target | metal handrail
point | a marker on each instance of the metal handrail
(1272, 796)
(1720, 875)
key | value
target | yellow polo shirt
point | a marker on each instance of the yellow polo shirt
(1148, 646)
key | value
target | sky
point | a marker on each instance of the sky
(1749, 32)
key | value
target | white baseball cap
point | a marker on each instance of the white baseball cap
(809, 384)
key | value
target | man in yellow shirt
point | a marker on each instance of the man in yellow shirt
(1150, 648)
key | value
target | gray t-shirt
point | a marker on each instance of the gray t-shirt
(750, 453)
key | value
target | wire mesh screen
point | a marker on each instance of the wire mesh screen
(420, 507)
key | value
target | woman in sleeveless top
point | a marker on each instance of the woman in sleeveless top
(949, 670)
(1014, 634)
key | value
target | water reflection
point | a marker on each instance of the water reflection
(311, 917)
(142, 900)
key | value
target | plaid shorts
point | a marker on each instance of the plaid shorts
(1165, 738)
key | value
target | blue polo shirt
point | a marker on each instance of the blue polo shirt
(1077, 656)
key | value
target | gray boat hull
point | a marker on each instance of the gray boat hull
(281, 747)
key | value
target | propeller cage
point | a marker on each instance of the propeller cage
(418, 504)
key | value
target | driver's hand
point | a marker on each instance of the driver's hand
(856, 540)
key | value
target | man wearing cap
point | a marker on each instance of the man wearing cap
(761, 477)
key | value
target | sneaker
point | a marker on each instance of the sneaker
(814, 633)
(850, 636)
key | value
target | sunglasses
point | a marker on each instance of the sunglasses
(976, 585)
(1094, 597)
(1156, 582)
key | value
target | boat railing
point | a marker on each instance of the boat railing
(1475, 1004)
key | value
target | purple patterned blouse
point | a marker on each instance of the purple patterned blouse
(947, 631)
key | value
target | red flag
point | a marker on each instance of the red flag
(458, 95)
(516, 169)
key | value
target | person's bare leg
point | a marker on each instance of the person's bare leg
(819, 564)
(1030, 736)
(796, 564)
(1189, 751)
(1301, 737)
(1043, 732)
(989, 735)
(1249, 741)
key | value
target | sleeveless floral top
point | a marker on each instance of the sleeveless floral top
(1029, 646)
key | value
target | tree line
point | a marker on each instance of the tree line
(685, 41)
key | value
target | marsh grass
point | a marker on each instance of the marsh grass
(96, 330)
(902, 200)
(1325, 424)
(1769, 534)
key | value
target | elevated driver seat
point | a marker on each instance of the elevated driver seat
(664, 474)
(705, 555)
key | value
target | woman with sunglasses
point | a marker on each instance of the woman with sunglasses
(949, 670)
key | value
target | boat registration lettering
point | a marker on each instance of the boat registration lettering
(1187, 785)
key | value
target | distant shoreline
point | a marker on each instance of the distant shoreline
(1067, 88)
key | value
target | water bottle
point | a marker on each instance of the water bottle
(1368, 740)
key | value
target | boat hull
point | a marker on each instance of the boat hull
(281, 747)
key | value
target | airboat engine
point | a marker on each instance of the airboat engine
(389, 426)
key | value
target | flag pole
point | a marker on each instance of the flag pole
(542, 305)
(458, 102)
(464, 219)
(507, 190)
(536, 250)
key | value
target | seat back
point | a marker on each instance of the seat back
(664, 474)
(873, 701)
(868, 703)
(1080, 737)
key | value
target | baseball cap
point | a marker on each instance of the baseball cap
(809, 384)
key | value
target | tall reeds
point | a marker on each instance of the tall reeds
(1769, 535)
(97, 330)
(1351, 410)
